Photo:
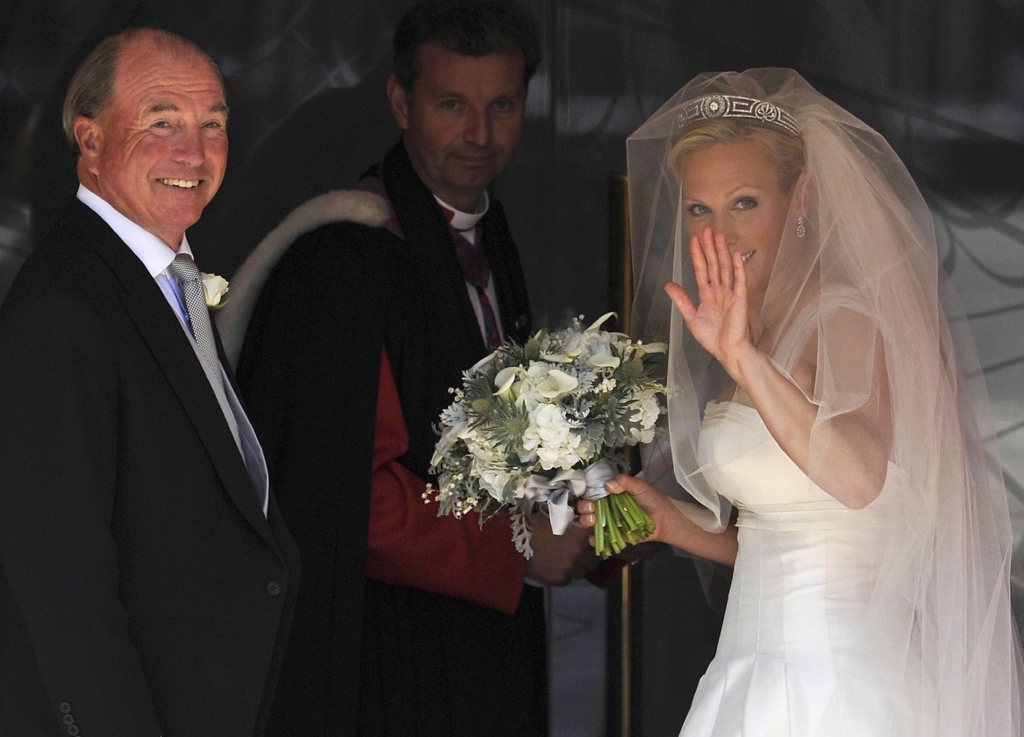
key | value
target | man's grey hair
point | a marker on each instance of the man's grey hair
(92, 88)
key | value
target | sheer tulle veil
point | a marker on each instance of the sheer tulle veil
(864, 278)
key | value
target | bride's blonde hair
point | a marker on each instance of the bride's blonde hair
(784, 150)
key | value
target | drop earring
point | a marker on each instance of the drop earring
(801, 227)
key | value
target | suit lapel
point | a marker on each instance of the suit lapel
(160, 329)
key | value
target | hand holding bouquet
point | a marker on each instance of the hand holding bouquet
(543, 424)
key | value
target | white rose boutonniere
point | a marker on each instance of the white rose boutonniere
(215, 288)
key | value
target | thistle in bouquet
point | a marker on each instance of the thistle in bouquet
(543, 424)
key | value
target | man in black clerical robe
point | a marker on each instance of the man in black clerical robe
(406, 623)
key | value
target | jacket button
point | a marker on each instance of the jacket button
(273, 588)
(65, 707)
(69, 720)
(73, 730)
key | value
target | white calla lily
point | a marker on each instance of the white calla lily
(482, 362)
(642, 349)
(604, 360)
(596, 325)
(556, 384)
(505, 378)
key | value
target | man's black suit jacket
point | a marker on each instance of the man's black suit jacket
(142, 590)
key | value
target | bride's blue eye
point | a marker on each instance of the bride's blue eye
(746, 203)
(697, 210)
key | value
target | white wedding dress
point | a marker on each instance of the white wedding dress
(803, 578)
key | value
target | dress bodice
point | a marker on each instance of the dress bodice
(745, 464)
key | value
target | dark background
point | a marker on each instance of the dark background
(943, 80)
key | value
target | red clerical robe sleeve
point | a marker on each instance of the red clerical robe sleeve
(409, 545)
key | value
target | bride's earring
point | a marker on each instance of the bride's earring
(801, 227)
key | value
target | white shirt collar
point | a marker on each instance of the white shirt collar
(463, 221)
(155, 255)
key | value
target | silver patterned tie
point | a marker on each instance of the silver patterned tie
(183, 268)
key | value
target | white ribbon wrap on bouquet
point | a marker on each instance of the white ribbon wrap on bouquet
(579, 483)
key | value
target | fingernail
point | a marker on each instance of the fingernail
(612, 485)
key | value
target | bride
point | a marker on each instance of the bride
(826, 427)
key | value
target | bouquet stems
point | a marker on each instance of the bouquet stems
(620, 522)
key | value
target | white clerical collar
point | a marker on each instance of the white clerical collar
(155, 255)
(463, 221)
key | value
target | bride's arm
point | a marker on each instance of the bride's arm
(854, 455)
(671, 523)
(857, 442)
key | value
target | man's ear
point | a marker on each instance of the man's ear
(399, 102)
(89, 137)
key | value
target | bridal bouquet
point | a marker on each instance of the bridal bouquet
(543, 424)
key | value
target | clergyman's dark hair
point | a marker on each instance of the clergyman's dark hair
(467, 27)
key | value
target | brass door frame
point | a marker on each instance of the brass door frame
(623, 603)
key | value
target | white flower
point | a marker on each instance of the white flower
(482, 362)
(552, 439)
(563, 357)
(596, 325)
(569, 347)
(645, 410)
(214, 289)
(449, 435)
(539, 384)
(551, 384)
(505, 378)
(493, 476)
(599, 351)
(642, 349)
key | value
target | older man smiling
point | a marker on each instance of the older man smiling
(146, 578)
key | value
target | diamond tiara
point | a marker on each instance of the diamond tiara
(731, 106)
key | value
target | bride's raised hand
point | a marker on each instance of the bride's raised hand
(719, 321)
